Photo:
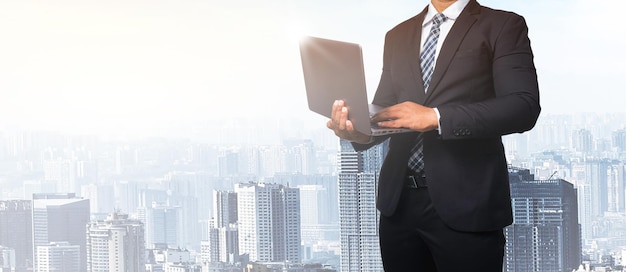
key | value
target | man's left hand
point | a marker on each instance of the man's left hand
(407, 115)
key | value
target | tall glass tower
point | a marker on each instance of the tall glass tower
(62, 219)
(358, 181)
(545, 234)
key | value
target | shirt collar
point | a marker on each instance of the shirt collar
(452, 12)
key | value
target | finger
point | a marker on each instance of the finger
(343, 117)
(334, 111)
(349, 127)
(384, 115)
(390, 124)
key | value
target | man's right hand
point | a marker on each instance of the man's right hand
(343, 127)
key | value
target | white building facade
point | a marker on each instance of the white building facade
(269, 222)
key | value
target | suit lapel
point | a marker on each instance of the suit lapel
(414, 54)
(458, 31)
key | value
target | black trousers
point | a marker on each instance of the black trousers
(416, 239)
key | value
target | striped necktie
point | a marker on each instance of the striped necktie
(427, 59)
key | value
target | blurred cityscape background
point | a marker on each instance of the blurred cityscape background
(175, 136)
(246, 198)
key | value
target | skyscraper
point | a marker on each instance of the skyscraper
(358, 182)
(224, 240)
(582, 141)
(60, 218)
(311, 208)
(115, 245)
(16, 225)
(224, 208)
(162, 225)
(269, 222)
(545, 234)
(597, 176)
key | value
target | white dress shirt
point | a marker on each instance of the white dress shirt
(452, 12)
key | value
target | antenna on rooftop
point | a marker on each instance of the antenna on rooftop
(550, 178)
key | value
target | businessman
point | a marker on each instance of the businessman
(461, 76)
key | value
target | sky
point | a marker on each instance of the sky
(143, 65)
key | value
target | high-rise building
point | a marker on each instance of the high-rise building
(189, 225)
(359, 218)
(228, 163)
(63, 172)
(58, 256)
(60, 218)
(269, 222)
(224, 238)
(615, 188)
(311, 207)
(545, 234)
(162, 225)
(115, 245)
(7, 259)
(619, 139)
(127, 196)
(300, 156)
(597, 176)
(16, 225)
(582, 141)
(101, 197)
(315, 205)
(193, 192)
(224, 208)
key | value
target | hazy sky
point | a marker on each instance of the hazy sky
(98, 65)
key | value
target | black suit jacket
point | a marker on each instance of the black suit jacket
(484, 86)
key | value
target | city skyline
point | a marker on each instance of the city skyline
(145, 176)
(139, 68)
(143, 106)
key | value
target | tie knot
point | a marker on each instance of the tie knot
(438, 19)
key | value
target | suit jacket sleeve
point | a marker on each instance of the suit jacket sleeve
(515, 105)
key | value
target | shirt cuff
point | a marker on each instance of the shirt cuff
(438, 118)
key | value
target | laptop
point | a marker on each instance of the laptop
(333, 70)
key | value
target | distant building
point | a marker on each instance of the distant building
(359, 218)
(116, 245)
(128, 195)
(101, 197)
(162, 224)
(545, 234)
(286, 267)
(269, 222)
(172, 260)
(16, 225)
(60, 218)
(63, 173)
(582, 141)
(7, 259)
(223, 234)
(619, 139)
(58, 256)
